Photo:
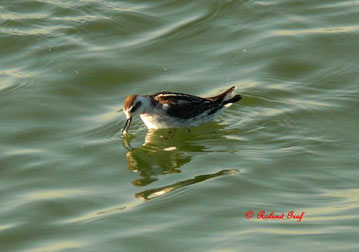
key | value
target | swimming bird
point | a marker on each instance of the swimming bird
(176, 110)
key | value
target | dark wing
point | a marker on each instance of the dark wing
(185, 106)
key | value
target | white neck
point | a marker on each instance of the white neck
(146, 104)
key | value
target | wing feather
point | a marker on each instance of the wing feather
(185, 106)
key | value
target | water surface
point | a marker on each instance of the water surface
(69, 181)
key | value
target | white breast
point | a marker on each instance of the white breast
(153, 122)
(161, 120)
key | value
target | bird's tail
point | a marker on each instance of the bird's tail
(232, 100)
(226, 98)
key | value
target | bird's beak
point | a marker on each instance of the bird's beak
(127, 126)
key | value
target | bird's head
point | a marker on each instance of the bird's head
(134, 105)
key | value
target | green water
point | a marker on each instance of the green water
(70, 182)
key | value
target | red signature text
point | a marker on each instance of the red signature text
(274, 216)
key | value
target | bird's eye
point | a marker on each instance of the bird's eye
(134, 108)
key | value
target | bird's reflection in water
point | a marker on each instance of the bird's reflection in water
(156, 192)
(164, 152)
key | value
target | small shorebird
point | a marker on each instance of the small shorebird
(176, 110)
